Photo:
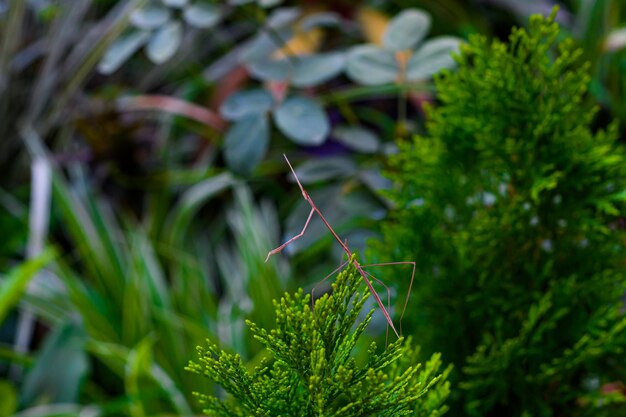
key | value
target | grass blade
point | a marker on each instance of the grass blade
(15, 283)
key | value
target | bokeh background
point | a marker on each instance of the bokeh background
(142, 178)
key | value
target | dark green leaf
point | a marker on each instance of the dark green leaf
(322, 169)
(302, 120)
(150, 17)
(269, 3)
(315, 69)
(370, 65)
(320, 19)
(270, 69)
(282, 17)
(165, 42)
(433, 56)
(246, 103)
(358, 138)
(202, 15)
(374, 179)
(246, 142)
(406, 30)
(265, 43)
(121, 50)
(176, 3)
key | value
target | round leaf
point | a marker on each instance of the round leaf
(302, 120)
(406, 30)
(165, 42)
(320, 19)
(433, 56)
(178, 4)
(370, 65)
(282, 17)
(269, 3)
(246, 142)
(375, 180)
(262, 45)
(270, 69)
(150, 17)
(246, 103)
(121, 50)
(315, 69)
(358, 138)
(315, 170)
(202, 15)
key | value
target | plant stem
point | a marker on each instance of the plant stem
(378, 91)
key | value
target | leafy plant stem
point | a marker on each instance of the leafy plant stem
(9, 354)
(347, 112)
(402, 103)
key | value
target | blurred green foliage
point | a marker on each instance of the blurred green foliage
(600, 26)
(144, 304)
(511, 206)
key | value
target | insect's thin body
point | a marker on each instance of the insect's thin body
(347, 251)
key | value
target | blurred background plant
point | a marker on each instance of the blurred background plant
(142, 178)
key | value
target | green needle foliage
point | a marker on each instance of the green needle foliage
(511, 206)
(312, 371)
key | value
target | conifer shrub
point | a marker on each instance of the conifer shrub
(311, 369)
(511, 205)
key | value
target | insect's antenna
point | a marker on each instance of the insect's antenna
(293, 171)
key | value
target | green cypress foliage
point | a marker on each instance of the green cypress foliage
(311, 370)
(511, 206)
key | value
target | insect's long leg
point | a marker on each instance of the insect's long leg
(298, 236)
(293, 171)
(388, 302)
(322, 281)
(408, 294)
(376, 297)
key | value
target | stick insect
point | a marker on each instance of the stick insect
(348, 252)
